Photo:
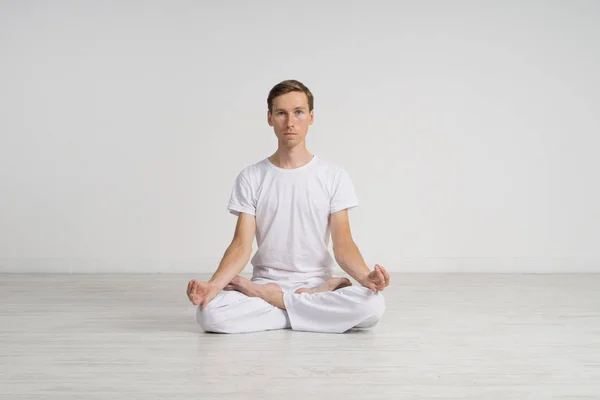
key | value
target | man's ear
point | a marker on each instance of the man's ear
(269, 118)
(312, 117)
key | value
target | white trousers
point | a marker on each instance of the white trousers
(328, 312)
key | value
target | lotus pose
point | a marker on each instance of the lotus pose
(293, 202)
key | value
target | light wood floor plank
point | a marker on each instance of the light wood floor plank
(444, 336)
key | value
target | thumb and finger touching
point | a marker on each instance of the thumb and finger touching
(380, 279)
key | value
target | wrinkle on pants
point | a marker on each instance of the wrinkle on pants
(331, 312)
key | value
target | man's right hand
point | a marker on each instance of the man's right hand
(201, 292)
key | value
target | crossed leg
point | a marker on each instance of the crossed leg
(248, 306)
(329, 286)
(273, 294)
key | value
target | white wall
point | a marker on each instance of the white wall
(471, 131)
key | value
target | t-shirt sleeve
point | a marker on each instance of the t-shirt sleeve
(242, 199)
(344, 195)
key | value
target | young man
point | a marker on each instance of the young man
(292, 201)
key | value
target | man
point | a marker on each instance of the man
(292, 201)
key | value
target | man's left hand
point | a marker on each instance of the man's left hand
(376, 280)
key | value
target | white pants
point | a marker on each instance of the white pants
(330, 312)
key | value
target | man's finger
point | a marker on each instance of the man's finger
(189, 288)
(376, 276)
(385, 274)
(380, 278)
(191, 295)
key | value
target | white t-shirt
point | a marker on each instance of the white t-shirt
(292, 208)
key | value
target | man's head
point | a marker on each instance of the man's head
(290, 111)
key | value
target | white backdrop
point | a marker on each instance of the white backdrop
(471, 131)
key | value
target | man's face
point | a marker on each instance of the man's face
(290, 118)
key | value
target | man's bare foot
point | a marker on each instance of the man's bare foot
(329, 286)
(269, 292)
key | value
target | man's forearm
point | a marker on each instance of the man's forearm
(351, 261)
(235, 259)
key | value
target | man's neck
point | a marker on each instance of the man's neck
(291, 158)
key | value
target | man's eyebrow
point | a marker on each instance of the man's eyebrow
(297, 108)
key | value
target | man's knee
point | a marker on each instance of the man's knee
(212, 318)
(375, 304)
(207, 319)
(370, 304)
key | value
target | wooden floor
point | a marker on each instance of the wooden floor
(442, 337)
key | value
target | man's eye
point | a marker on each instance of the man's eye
(299, 112)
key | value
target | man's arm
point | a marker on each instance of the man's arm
(348, 256)
(238, 253)
(345, 251)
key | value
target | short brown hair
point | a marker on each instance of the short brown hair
(290, 85)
